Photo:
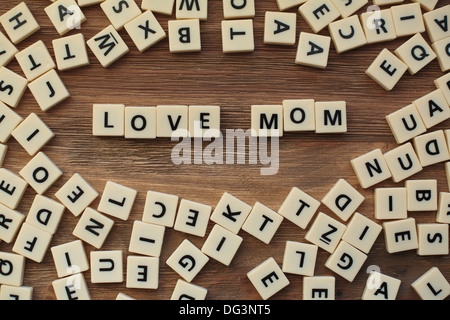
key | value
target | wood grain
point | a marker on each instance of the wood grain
(235, 82)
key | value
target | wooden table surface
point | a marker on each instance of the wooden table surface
(268, 75)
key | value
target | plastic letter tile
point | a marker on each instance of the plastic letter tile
(432, 285)
(146, 239)
(204, 121)
(371, 168)
(267, 120)
(221, 245)
(416, 53)
(268, 278)
(280, 28)
(431, 148)
(76, 194)
(319, 288)
(108, 46)
(433, 239)
(443, 214)
(343, 199)
(381, 287)
(443, 83)
(12, 87)
(400, 235)
(86, 3)
(13, 269)
(331, 117)
(120, 12)
(160, 208)
(12, 188)
(32, 242)
(402, 162)
(284, 5)
(192, 217)
(378, 26)
(299, 115)
(447, 173)
(325, 232)
(41, 173)
(70, 258)
(313, 50)
(140, 123)
(433, 108)
(159, 6)
(233, 9)
(3, 150)
(442, 50)
(65, 15)
(70, 52)
(299, 258)
(117, 200)
(406, 123)
(93, 227)
(107, 266)
(33, 134)
(346, 261)
(188, 9)
(172, 121)
(187, 260)
(73, 287)
(188, 291)
(319, 13)
(262, 223)
(390, 203)
(16, 293)
(142, 272)
(427, 4)
(123, 296)
(347, 8)
(35, 60)
(49, 90)
(347, 34)
(231, 212)
(9, 120)
(408, 19)
(108, 120)
(10, 222)
(19, 23)
(436, 23)
(238, 36)
(361, 232)
(422, 195)
(145, 31)
(387, 69)
(184, 35)
(7, 50)
(45, 213)
(299, 207)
